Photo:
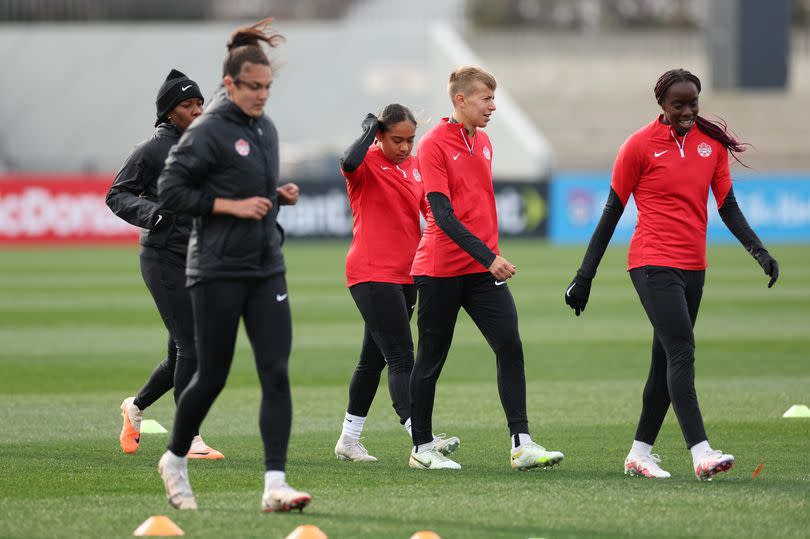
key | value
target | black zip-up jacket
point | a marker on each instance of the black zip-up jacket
(226, 153)
(133, 195)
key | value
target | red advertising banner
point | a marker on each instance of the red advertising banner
(49, 208)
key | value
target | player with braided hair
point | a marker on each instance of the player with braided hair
(669, 166)
(386, 195)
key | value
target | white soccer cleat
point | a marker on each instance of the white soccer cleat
(645, 466)
(445, 445)
(352, 451)
(175, 479)
(532, 455)
(284, 498)
(711, 464)
(432, 459)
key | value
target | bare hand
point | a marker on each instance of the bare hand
(245, 208)
(502, 269)
(287, 194)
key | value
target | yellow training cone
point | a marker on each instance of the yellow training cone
(307, 531)
(158, 526)
(425, 534)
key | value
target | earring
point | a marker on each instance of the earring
(169, 117)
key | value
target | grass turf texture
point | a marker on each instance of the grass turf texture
(78, 333)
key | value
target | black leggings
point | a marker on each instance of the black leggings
(218, 307)
(386, 309)
(492, 308)
(671, 299)
(164, 273)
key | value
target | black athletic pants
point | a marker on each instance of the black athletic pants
(386, 309)
(218, 307)
(164, 273)
(671, 298)
(492, 308)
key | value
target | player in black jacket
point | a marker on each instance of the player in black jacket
(224, 172)
(164, 239)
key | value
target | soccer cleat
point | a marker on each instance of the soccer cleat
(130, 437)
(531, 455)
(644, 465)
(284, 498)
(352, 451)
(711, 464)
(200, 450)
(432, 459)
(175, 480)
(444, 444)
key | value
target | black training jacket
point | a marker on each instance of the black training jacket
(133, 195)
(226, 153)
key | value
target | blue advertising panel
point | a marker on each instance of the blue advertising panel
(777, 207)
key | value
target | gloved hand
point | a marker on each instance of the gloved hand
(370, 121)
(769, 265)
(576, 295)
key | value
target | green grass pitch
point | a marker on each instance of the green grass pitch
(79, 332)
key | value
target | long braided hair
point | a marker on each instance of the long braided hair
(716, 130)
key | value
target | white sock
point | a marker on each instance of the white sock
(640, 448)
(700, 449)
(407, 426)
(352, 427)
(175, 462)
(425, 447)
(520, 439)
(273, 478)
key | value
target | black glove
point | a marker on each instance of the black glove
(369, 121)
(576, 295)
(769, 265)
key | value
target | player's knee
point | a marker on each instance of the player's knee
(401, 361)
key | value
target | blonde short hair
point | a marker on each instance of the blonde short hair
(463, 79)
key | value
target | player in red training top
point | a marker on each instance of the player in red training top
(387, 198)
(668, 166)
(458, 265)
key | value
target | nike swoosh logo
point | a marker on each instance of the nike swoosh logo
(281, 297)
(499, 283)
(659, 154)
(199, 452)
(160, 218)
(385, 168)
(138, 440)
(350, 421)
(184, 88)
(568, 292)
(420, 462)
(456, 156)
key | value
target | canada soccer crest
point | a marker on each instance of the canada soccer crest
(242, 147)
(487, 154)
(704, 149)
(416, 175)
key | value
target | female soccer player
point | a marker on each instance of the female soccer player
(224, 172)
(386, 196)
(668, 166)
(164, 240)
(458, 265)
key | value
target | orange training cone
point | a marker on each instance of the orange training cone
(158, 526)
(307, 531)
(425, 534)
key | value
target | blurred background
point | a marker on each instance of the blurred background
(575, 79)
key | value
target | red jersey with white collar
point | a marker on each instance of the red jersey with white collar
(386, 201)
(460, 167)
(669, 177)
